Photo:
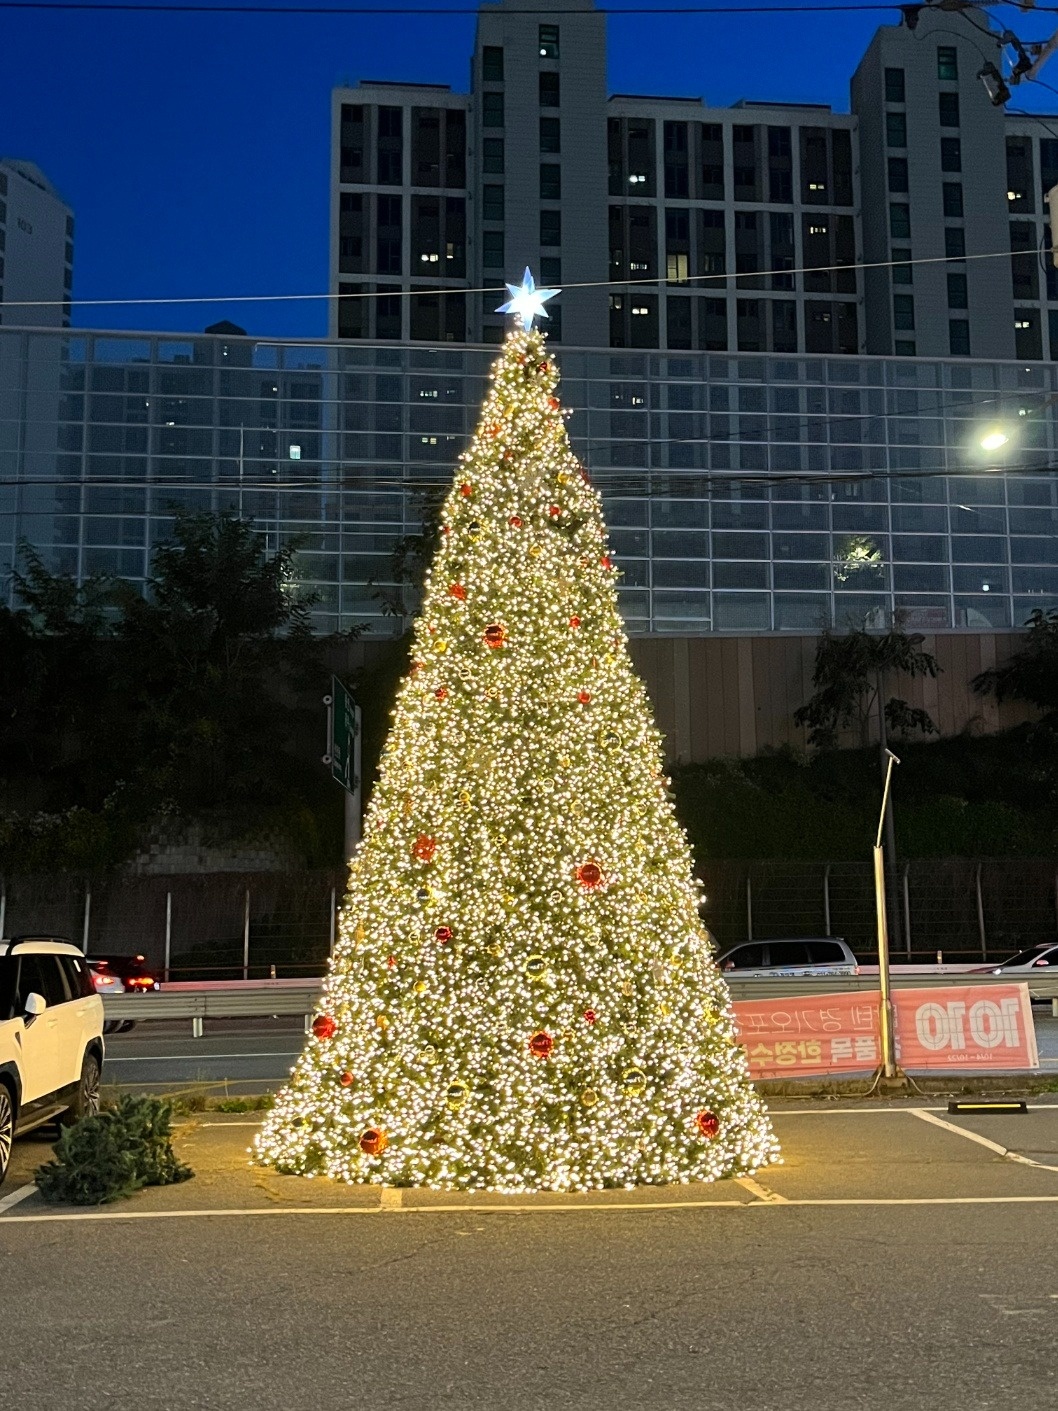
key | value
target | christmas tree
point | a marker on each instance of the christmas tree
(522, 996)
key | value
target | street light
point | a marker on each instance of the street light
(993, 439)
(885, 1005)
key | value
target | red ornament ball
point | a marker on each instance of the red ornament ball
(445, 529)
(443, 934)
(708, 1123)
(555, 511)
(415, 667)
(373, 1141)
(590, 1016)
(515, 521)
(574, 621)
(541, 1044)
(543, 367)
(466, 490)
(495, 635)
(553, 403)
(456, 590)
(324, 1026)
(391, 961)
(346, 1080)
(606, 561)
(424, 848)
(441, 693)
(589, 874)
(584, 697)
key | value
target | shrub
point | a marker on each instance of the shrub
(112, 1153)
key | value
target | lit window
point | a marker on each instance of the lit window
(640, 309)
(636, 179)
(429, 259)
(676, 268)
(295, 453)
(817, 230)
(427, 391)
(637, 264)
(1015, 195)
(1023, 323)
(816, 186)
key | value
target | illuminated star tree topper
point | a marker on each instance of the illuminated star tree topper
(527, 301)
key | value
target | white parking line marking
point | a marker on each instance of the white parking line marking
(760, 1192)
(198, 1057)
(981, 1141)
(15, 1196)
(628, 1208)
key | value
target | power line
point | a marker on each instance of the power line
(433, 291)
(459, 11)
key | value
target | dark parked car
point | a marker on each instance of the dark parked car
(119, 975)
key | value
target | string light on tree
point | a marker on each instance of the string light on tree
(522, 995)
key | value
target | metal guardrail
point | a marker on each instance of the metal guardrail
(285, 997)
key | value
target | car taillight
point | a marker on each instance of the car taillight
(101, 981)
(141, 982)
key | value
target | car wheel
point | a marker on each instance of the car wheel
(7, 1129)
(86, 1099)
(126, 1026)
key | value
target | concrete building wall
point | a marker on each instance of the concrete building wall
(978, 187)
(36, 248)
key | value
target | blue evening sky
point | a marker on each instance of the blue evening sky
(194, 148)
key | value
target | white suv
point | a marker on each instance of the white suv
(51, 1037)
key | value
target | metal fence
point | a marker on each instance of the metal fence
(251, 925)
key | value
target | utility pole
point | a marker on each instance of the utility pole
(886, 757)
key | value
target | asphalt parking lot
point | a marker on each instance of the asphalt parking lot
(899, 1257)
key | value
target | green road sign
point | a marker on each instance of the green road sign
(345, 736)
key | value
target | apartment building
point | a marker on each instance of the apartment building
(36, 248)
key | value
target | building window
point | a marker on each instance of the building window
(390, 146)
(492, 203)
(947, 63)
(492, 156)
(549, 90)
(492, 249)
(676, 268)
(954, 242)
(1028, 339)
(948, 109)
(548, 41)
(897, 173)
(550, 181)
(953, 199)
(894, 85)
(492, 109)
(957, 291)
(550, 135)
(959, 338)
(550, 227)
(950, 154)
(903, 312)
(492, 63)
(904, 347)
(902, 273)
(899, 221)
(550, 269)
(896, 129)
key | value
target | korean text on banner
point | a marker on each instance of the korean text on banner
(971, 1028)
(809, 1036)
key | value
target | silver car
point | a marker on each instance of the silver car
(828, 955)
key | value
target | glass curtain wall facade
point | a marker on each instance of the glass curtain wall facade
(745, 493)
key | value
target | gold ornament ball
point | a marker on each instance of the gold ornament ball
(381, 1021)
(456, 1095)
(420, 987)
(588, 1098)
(634, 1081)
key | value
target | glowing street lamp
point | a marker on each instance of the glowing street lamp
(993, 439)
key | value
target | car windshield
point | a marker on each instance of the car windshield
(1026, 957)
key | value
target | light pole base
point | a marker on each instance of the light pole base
(892, 1086)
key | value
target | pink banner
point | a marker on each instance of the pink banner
(969, 1028)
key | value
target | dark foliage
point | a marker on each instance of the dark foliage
(851, 671)
(112, 1154)
(1031, 674)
